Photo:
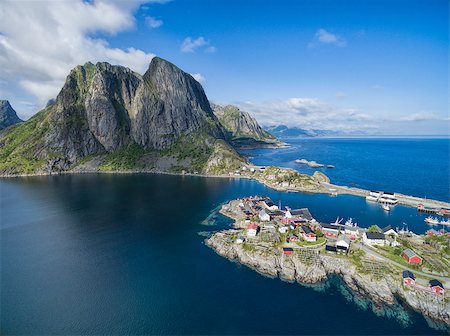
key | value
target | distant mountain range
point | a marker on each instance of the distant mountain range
(283, 131)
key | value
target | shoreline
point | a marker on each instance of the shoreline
(316, 267)
(325, 187)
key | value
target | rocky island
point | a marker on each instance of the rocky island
(313, 164)
(292, 245)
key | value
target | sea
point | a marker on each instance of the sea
(125, 253)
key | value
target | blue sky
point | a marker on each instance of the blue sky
(373, 66)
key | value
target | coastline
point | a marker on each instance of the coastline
(308, 265)
(322, 187)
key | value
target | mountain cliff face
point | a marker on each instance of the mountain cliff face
(8, 116)
(240, 124)
(110, 118)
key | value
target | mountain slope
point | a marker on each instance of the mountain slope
(8, 115)
(110, 118)
(242, 127)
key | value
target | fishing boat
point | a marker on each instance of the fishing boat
(386, 207)
(431, 220)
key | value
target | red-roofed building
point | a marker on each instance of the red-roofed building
(252, 230)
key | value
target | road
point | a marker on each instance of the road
(373, 253)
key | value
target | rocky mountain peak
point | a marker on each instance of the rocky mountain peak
(8, 115)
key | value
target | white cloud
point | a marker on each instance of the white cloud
(421, 116)
(189, 45)
(323, 36)
(199, 78)
(310, 113)
(41, 41)
(153, 22)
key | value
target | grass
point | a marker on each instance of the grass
(127, 158)
(19, 141)
(319, 241)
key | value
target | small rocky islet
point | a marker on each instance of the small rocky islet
(293, 246)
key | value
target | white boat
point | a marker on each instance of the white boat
(386, 207)
(445, 222)
(431, 220)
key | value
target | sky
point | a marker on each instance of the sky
(375, 67)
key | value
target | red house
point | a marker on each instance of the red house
(308, 234)
(436, 287)
(287, 250)
(409, 278)
(411, 257)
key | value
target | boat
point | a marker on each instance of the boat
(445, 222)
(386, 207)
(431, 220)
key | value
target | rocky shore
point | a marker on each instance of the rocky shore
(314, 266)
(294, 268)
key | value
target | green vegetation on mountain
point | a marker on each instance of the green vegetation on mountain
(110, 118)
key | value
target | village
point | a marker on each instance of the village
(421, 262)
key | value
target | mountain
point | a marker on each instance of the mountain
(108, 117)
(243, 129)
(283, 131)
(8, 116)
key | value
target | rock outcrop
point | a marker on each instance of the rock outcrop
(104, 109)
(294, 268)
(8, 115)
(241, 125)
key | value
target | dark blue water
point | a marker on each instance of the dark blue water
(417, 166)
(121, 254)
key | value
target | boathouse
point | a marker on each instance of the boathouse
(288, 250)
(308, 234)
(409, 278)
(436, 287)
(411, 257)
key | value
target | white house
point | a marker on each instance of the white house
(343, 241)
(264, 216)
(389, 230)
(374, 238)
(240, 240)
(252, 230)
(283, 229)
(392, 241)
(270, 205)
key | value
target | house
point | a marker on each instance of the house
(409, 278)
(283, 229)
(293, 237)
(285, 184)
(343, 242)
(330, 230)
(352, 232)
(288, 250)
(436, 287)
(433, 232)
(308, 234)
(240, 240)
(330, 249)
(392, 241)
(411, 257)
(389, 230)
(252, 230)
(270, 205)
(374, 238)
(264, 216)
